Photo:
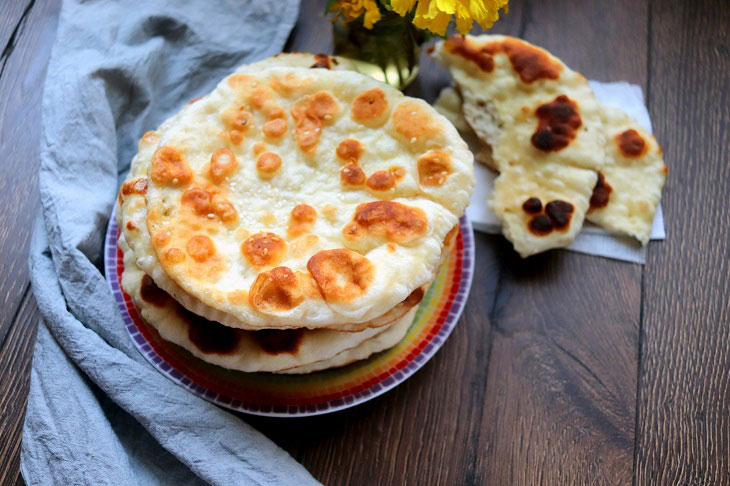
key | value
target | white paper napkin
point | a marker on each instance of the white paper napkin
(591, 239)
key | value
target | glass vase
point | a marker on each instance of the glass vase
(388, 52)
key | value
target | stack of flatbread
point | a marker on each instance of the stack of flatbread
(291, 220)
(562, 157)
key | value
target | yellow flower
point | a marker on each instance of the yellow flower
(402, 7)
(353, 9)
(435, 15)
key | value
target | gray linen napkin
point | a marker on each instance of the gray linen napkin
(97, 412)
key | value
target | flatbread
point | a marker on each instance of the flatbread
(289, 235)
(543, 124)
(249, 351)
(546, 182)
(505, 81)
(132, 213)
(391, 336)
(631, 181)
(541, 205)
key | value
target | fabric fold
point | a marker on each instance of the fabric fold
(97, 412)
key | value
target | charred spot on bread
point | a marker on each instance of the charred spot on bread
(391, 220)
(631, 143)
(558, 124)
(601, 193)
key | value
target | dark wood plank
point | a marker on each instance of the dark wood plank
(684, 412)
(21, 83)
(561, 386)
(15, 362)
(313, 30)
(22, 86)
(562, 372)
(606, 41)
(13, 14)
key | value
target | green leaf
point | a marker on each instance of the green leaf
(386, 4)
(328, 7)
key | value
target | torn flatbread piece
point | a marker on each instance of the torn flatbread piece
(524, 102)
(542, 122)
(541, 205)
(630, 184)
(531, 109)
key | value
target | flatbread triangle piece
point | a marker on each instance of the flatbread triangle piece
(630, 183)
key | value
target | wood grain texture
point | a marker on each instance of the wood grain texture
(563, 366)
(684, 395)
(606, 41)
(15, 362)
(562, 372)
(313, 30)
(21, 85)
(538, 383)
(13, 15)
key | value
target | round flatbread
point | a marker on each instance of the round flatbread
(250, 351)
(131, 217)
(391, 336)
(304, 198)
(132, 210)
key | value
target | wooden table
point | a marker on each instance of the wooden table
(565, 368)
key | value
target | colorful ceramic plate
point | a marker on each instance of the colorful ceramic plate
(315, 393)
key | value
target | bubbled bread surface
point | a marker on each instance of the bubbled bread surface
(296, 196)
